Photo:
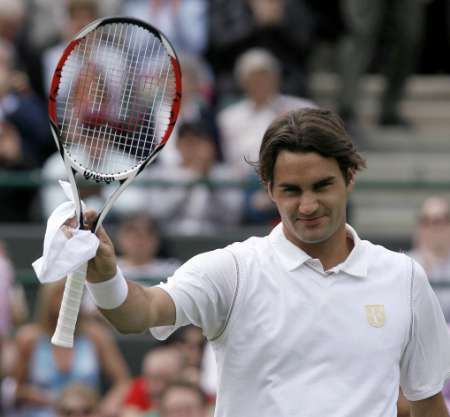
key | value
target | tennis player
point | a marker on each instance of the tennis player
(311, 320)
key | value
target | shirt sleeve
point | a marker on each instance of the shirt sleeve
(425, 363)
(203, 290)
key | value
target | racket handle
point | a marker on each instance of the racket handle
(70, 306)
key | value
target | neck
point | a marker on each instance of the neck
(332, 251)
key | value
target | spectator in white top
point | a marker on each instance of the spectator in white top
(242, 124)
(431, 246)
(184, 22)
(309, 320)
(193, 204)
(77, 14)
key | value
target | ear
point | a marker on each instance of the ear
(351, 179)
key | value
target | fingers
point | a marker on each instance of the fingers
(89, 217)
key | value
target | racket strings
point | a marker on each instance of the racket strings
(115, 99)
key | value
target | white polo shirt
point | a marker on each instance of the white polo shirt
(292, 340)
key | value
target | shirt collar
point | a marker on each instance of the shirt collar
(292, 257)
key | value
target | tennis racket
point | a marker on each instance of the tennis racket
(114, 100)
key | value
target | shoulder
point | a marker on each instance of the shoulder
(208, 262)
(382, 261)
(224, 259)
(248, 250)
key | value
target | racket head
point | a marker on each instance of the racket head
(114, 98)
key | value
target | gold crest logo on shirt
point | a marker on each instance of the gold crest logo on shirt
(375, 315)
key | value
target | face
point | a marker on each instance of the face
(311, 196)
(434, 226)
(77, 406)
(260, 85)
(160, 370)
(192, 345)
(182, 402)
(138, 243)
(197, 152)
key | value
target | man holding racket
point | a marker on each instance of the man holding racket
(307, 321)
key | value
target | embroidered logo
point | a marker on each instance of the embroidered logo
(375, 315)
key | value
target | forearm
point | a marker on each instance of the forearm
(134, 315)
(429, 407)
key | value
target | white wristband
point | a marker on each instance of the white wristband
(111, 293)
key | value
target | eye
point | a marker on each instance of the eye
(323, 185)
(290, 190)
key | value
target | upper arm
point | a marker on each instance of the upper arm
(202, 293)
(161, 306)
(425, 363)
(429, 407)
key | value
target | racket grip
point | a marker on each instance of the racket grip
(70, 307)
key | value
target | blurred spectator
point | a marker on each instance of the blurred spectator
(46, 19)
(192, 344)
(184, 22)
(193, 205)
(12, 160)
(13, 307)
(13, 312)
(13, 29)
(24, 136)
(77, 14)
(200, 367)
(20, 107)
(161, 366)
(44, 370)
(77, 400)
(431, 246)
(183, 399)
(139, 244)
(8, 384)
(242, 125)
(283, 27)
(401, 24)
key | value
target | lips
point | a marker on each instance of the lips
(310, 220)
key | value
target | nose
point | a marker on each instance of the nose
(308, 204)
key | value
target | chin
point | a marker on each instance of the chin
(314, 237)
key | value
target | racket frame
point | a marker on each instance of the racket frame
(70, 305)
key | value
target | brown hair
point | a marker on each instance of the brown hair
(189, 386)
(78, 390)
(308, 130)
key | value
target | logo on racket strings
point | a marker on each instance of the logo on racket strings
(107, 179)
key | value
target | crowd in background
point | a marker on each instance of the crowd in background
(241, 60)
(243, 63)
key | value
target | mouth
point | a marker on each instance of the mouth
(310, 221)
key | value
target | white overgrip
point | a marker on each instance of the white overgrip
(70, 306)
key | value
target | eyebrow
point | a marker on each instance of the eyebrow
(318, 183)
(324, 181)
